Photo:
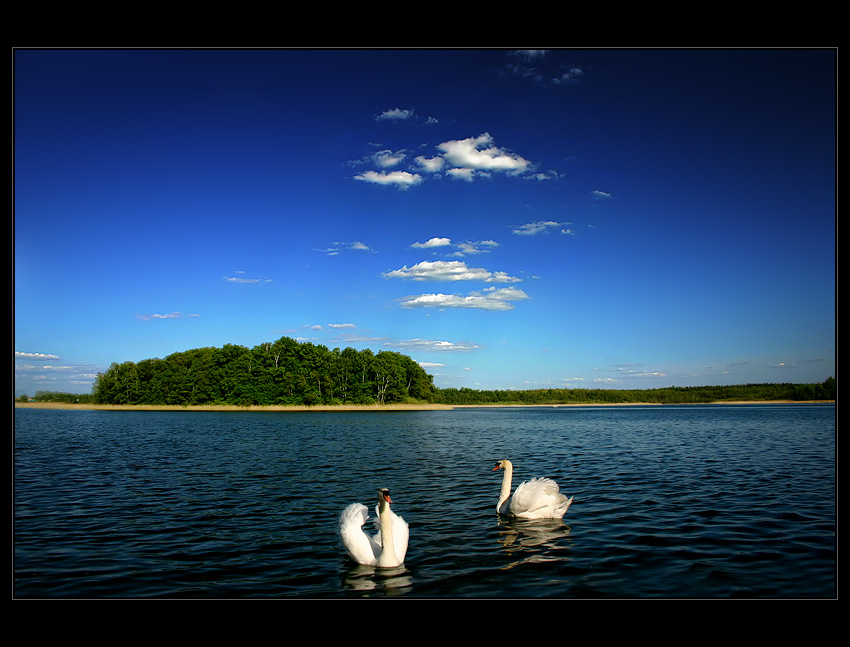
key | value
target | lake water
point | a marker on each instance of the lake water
(712, 501)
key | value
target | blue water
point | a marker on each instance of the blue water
(710, 501)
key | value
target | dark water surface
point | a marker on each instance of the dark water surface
(694, 501)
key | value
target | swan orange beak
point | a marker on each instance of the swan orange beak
(496, 468)
(387, 498)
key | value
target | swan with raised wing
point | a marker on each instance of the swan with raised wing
(387, 547)
(539, 498)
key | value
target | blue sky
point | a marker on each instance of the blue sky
(509, 219)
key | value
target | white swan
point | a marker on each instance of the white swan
(387, 548)
(539, 498)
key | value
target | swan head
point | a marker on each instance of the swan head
(502, 465)
(384, 496)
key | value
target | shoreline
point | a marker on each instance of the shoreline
(371, 407)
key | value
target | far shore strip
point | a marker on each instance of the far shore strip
(366, 407)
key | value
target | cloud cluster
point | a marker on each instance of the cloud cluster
(395, 114)
(490, 298)
(479, 154)
(433, 242)
(534, 228)
(38, 376)
(533, 64)
(35, 356)
(542, 227)
(462, 159)
(404, 114)
(411, 345)
(338, 247)
(464, 248)
(433, 345)
(449, 271)
(496, 299)
(400, 179)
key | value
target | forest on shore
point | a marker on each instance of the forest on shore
(666, 395)
(289, 372)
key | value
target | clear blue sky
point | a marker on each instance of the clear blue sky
(560, 218)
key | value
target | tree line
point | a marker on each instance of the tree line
(666, 395)
(283, 372)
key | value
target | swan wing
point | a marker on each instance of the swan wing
(401, 535)
(539, 498)
(362, 548)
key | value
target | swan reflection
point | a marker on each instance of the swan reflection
(371, 578)
(528, 533)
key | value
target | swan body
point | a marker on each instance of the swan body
(539, 498)
(387, 547)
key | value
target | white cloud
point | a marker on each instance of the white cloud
(401, 179)
(532, 228)
(480, 154)
(461, 249)
(433, 242)
(500, 299)
(388, 158)
(37, 356)
(241, 278)
(571, 75)
(529, 54)
(542, 177)
(433, 345)
(565, 74)
(449, 271)
(244, 279)
(395, 114)
(170, 315)
(465, 174)
(360, 338)
(340, 246)
(628, 372)
(475, 247)
(430, 164)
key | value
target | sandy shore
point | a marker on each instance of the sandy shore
(344, 407)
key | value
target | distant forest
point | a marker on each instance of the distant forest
(666, 395)
(288, 372)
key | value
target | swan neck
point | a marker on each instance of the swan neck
(387, 545)
(506, 484)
